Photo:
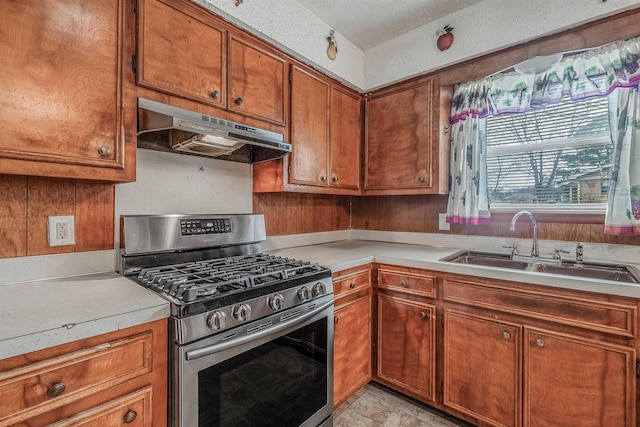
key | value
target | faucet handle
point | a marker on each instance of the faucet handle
(514, 249)
(556, 253)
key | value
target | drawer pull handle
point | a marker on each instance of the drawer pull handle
(239, 101)
(352, 285)
(215, 94)
(423, 314)
(506, 335)
(336, 319)
(404, 284)
(104, 150)
(540, 342)
(130, 416)
(56, 390)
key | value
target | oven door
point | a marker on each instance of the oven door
(276, 371)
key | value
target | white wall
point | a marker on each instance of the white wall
(484, 27)
(170, 183)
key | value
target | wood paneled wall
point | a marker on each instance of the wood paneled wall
(293, 213)
(420, 214)
(27, 202)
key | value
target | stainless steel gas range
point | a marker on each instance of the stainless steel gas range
(251, 333)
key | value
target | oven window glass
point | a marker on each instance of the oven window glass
(280, 383)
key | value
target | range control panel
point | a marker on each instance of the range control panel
(190, 227)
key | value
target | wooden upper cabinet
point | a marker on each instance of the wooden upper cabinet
(569, 380)
(309, 128)
(482, 360)
(325, 133)
(345, 125)
(62, 91)
(256, 81)
(180, 54)
(400, 139)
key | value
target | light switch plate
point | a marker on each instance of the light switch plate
(443, 225)
(62, 230)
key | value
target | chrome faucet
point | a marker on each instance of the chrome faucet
(534, 249)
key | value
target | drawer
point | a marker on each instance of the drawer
(351, 282)
(408, 281)
(614, 315)
(42, 386)
(133, 410)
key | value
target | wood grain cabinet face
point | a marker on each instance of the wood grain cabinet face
(406, 346)
(256, 82)
(180, 54)
(62, 92)
(325, 133)
(482, 361)
(399, 139)
(351, 348)
(570, 381)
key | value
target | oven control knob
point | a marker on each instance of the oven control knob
(304, 293)
(217, 320)
(242, 312)
(276, 302)
(319, 289)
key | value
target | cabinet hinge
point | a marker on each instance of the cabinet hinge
(134, 64)
(290, 76)
(134, 6)
(637, 368)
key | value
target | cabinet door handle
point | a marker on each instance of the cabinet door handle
(352, 285)
(335, 179)
(130, 416)
(423, 314)
(421, 179)
(56, 390)
(404, 284)
(239, 101)
(215, 94)
(104, 150)
(506, 335)
(323, 178)
(540, 342)
(336, 319)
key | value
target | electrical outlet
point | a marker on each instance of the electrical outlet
(62, 230)
(442, 222)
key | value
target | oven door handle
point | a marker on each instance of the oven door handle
(216, 348)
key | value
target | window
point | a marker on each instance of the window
(559, 155)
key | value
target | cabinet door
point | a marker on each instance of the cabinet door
(256, 82)
(345, 139)
(571, 381)
(399, 139)
(61, 85)
(351, 348)
(482, 368)
(180, 54)
(406, 346)
(309, 128)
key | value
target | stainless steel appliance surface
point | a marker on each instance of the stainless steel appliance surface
(251, 333)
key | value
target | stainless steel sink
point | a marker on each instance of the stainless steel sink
(597, 271)
(486, 259)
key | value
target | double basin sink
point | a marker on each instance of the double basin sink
(596, 271)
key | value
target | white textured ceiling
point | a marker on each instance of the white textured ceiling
(368, 23)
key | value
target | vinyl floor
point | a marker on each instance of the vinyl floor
(378, 406)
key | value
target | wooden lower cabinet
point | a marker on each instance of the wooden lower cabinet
(482, 368)
(406, 346)
(570, 380)
(352, 348)
(108, 380)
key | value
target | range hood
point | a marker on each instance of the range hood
(167, 128)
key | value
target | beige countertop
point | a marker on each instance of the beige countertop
(352, 253)
(44, 313)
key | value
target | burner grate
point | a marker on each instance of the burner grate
(210, 278)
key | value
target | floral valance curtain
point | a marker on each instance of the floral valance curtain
(596, 72)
